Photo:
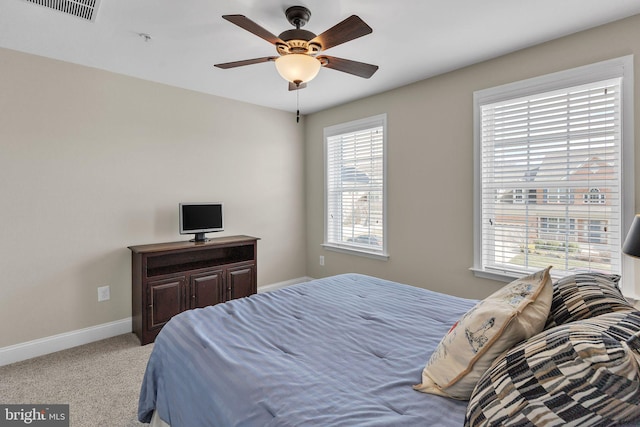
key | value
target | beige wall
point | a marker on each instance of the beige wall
(92, 162)
(430, 161)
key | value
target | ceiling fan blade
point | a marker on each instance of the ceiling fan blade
(347, 30)
(356, 68)
(234, 64)
(293, 86)
(247, 24)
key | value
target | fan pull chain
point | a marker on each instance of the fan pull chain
(298, 106)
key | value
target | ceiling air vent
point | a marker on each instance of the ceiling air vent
(85, 9)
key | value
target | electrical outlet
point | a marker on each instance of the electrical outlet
(104, 293)
(321, 259)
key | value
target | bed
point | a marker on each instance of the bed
(340, 351)
(350, 350)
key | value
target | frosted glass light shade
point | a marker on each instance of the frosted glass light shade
(297, 68)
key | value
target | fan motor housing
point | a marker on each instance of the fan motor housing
(297, 34)
(297, 41)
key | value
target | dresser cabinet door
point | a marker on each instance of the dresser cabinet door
(164, 300)
(241, 282)
(206, 289)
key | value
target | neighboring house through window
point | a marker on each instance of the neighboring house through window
(552, 156)
(355, 187)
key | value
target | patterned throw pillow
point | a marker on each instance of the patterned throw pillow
(583, 373)
(585, 295)
(514, 313)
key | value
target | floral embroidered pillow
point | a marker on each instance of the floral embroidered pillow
(512, 314)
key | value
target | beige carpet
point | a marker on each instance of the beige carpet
(100, 381)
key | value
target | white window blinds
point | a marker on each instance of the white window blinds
(550, 170)
(355, 188)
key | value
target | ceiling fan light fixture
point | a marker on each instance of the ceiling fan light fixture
(297, 67)
(298, 63)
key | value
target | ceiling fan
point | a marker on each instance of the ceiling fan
(299, 61)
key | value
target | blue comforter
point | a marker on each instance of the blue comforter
(339, 351)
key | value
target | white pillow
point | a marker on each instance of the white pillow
(512, 314)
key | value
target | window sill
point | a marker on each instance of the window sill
(507, 276)
(500, 276)
(359, 252)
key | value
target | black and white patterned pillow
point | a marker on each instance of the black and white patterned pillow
(583, 373)
(585, 295)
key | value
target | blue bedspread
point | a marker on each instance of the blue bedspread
(339, 351)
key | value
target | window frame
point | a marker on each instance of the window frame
(345, 128)
(615, 68)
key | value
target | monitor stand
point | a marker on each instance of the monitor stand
(200, 237)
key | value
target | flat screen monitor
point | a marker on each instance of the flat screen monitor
(201, 218)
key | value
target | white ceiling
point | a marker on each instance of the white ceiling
(411, 40)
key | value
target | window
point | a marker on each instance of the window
(355, 199)
(594, 196)
(563, 135)
(558, 195)
(518, 195)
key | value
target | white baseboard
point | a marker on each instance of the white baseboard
(280, 285)
(42, 346)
